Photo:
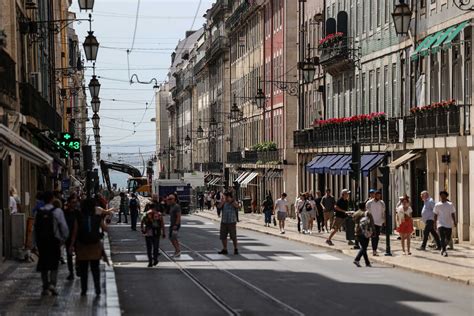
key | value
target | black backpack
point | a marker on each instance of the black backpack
(89, 229)
(44, 227)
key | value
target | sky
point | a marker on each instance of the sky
(126, 110)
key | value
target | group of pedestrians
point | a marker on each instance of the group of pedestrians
(78, 225)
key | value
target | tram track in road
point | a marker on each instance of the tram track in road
(255, 289)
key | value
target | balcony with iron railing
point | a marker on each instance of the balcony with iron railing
(216, 47)
(450, 121)
(215, 167)
(7, 75)
(33, 104)
(338, 54)
(255, 157)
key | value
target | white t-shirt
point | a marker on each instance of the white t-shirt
(281, 205)
(377, 209)
(444, 212)
(12, 205)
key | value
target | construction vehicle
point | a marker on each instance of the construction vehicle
(136, 183)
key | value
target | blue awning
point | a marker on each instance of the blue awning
(341, 165)
(325, 163)
(312, 162)
(372, 164)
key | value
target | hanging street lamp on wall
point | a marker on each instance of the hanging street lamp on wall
(260, 99)
(401, 18)
(96, 131)
(85, 5)
(95, 120)
(95, 104)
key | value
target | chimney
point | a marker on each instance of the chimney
(189, 33)
(173, 56)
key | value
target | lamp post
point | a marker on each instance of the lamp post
(401, 18)
(260, 100)
(94, 85)
(187, 140)
(91, 45)
(86, 5)
(95, 104)
(96, 131)
(95, 120)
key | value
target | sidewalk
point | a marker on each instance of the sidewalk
(20, 292)
(459, 266)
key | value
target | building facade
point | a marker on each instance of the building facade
(405, 99)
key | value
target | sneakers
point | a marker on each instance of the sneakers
(177, 254)
(329, 242)
(282, 232)
(357, 263)
(375, 254)
(223, 252)
(236, 251)
(150, 265)
(444, 253)
(155, 262)
(368, 265)
(70, 277)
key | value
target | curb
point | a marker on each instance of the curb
(112, 299)
(348, 253)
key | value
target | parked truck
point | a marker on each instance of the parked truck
(164, 187)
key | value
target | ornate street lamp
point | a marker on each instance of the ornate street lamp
(234, 112)
(86, 5)
(309, 70)
(187, 140)
(260, 99)
(200, 131)
(401, 18)
(95, 104)
(97, 139)
(94, 86)
(213, 128)
(95, 120)
(96, 131)
(91, 46)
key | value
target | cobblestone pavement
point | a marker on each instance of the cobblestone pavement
(459, 266)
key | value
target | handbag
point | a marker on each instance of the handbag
(274, 221)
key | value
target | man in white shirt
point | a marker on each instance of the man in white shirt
(12, 204)
(445, 219)
(376, 207)
(282, 210)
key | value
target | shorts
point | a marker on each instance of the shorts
(228, 229)
(313, 214)
(281, 216)
(338, 221)
(173, 234)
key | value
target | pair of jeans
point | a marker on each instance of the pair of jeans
(124, 214)
(445, 237)
(84, 272)
(268, 217)
(133, 218)
(320, 220)
(152, 247)
(430, 229)
(364, 244)
(376, 237)
(70, 263)
(298, 215)
(49, 278)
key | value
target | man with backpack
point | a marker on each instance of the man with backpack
(134, 207)
(86, 239)
(51, 231)
(364, 229)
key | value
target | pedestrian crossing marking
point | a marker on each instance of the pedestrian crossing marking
(214, 256)
(183, 257)
(141, 257)
(288, 257)
(325, 256)
(252, 256)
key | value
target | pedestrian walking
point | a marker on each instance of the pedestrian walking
(376, 207)
(230, 208)
(319, 211)
(298, 209)
(123, 210)
(152, 227)
(305, 209)
(71, 212)
(364, 228)
(218, 200)
(445, 219)
(175, 222)
(134, 206)
(201, 201)
(327, 203)
(313, 212)
(267, 207)
(405, 228)
(87, 244)
(341, 207)
(208, 200)
(282, 211)
(428, 216)
(50, 232)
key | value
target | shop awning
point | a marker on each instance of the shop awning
(208, 178)
(215, 181)
(248, 179)
(372, 164)
(406, 158)
(437, 45)
(425, 50)
(454, 33)
(342, 165)
(312, 162)
(22, 147)
(420, 47)
(324, 164)
(242, 176)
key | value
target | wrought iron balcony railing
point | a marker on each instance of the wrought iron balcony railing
(255, 157)
(209, 166)
(446, 121)
(7, 75)
(338, 56)
(33, 104)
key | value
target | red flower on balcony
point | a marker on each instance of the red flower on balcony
(433, 106)
(355, 119)
(330, 39)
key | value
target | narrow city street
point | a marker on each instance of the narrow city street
(271, 275)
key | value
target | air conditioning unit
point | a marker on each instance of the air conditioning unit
(35, 81)
(31, 4)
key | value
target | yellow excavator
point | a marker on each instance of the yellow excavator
(137, 183)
